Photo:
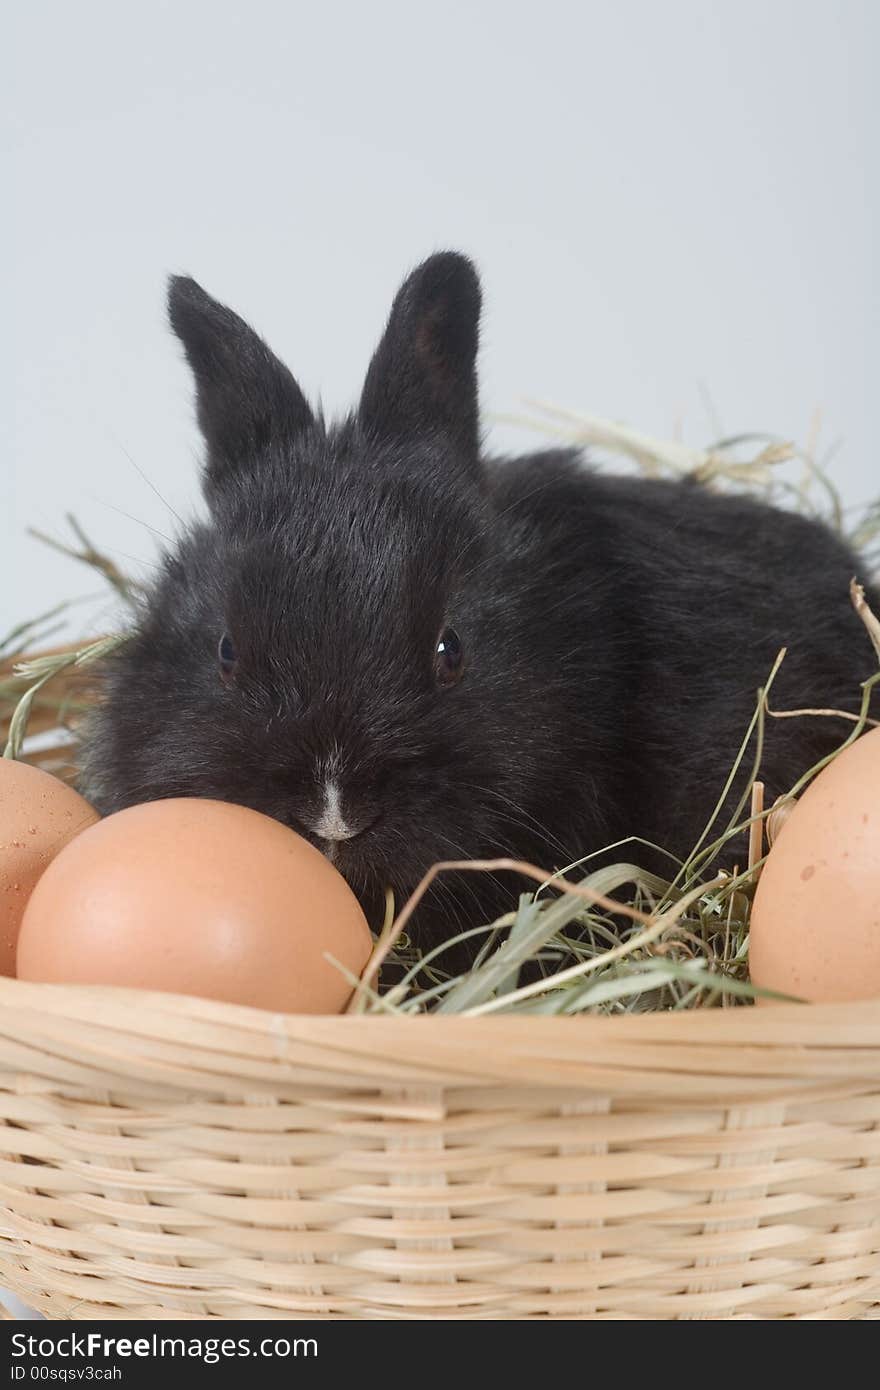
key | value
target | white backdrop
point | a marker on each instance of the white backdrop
(659, 195)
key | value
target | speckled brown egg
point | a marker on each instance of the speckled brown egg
(815, 926)
(197, 897)
(38, 816)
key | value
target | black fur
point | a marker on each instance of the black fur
(615, 630)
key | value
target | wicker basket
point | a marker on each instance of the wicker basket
(171, 1157)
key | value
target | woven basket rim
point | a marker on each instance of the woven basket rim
(178, 1042)
(13, 992)
(123, 1026)
(767, 1021)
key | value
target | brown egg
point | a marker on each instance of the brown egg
(197, 897)
(815, 927)
(38, 815)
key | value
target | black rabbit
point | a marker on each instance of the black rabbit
(410, 652)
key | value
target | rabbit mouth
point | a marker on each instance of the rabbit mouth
(346, 851)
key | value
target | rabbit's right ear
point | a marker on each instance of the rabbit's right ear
(247, 399)
(423, 376)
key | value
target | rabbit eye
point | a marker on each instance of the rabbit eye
(449, 658)
(226, 655)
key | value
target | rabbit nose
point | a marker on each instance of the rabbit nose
(335, 824)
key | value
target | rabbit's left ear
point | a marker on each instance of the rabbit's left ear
(422, 379)
(247, 399)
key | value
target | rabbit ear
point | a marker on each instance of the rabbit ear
(423, 374)
(246, 398)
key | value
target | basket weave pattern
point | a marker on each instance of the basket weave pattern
(168, 1157)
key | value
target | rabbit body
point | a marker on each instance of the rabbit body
(410, 652)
